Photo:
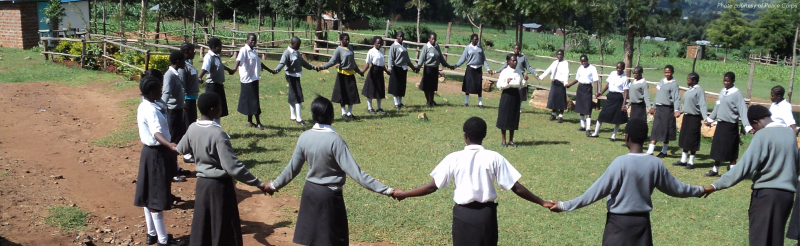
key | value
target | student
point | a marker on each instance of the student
(522, 66)
(213, 66)
(192, 88)
(730, 107)
(588, 79)
(780, 109)
(173, 94)
(557, 100)
(430, 57)
(216, 212)
(345, 91)
(375, 85)
(508, 112)
(249, 66)
(771, 161)
(473, 78)
(614, 109)
(668, 99)
(474, 171)
(157, 162)
(294, 63)
(322, 219)
(629, 182)
(639, 95)
(694, 112)
(398, 70)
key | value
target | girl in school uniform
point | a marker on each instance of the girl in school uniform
(375, 85)
(173, 94)
(212, 65)
(772, 162)
(294, 63)
(522, 66)
(729, 109)
(639, 95)
(399, 63)
(345, 91)
(249, 66)
(587, 78)
(216, 213)
(322, 219)
(473, 77)
(694, 112)
(557, 100)
(668, 100)
(430, 57)
(780, 109)
(192, 89)
(508, 111)
(614, 109)
(157, 163)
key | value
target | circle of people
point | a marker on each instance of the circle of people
(168, 124)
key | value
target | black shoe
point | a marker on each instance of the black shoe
(352, 117)
(480, 106)
(612, 139)
(592, 135)
(711, 173)
(560, 120)
(582, 129)
(552, 117)
(466, 105)
(512, 144)
(678, 163)
(154, 239)
(661, 155)
(380, 111)
(190, 160)
(249, 125)
(624, 145)
(302, 123)
(588, 133)
(689, 166)
(344, 117)
(429, 104)
(397, 107)
(260, 127)
(184, 172)
(178, 179)
(370, 111)
(174, 198)
(434, 103)
(503, 144)
(403, 106)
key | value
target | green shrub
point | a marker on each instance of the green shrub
(158, 62)
(411, 33)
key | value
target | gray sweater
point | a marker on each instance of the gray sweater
(214, 157)
(473, 56)
(771, 161)
(522, 66)
(191, 84)
(344, 57)
(431, 57)
(216, 73)
(329, 160)
(694, 102)
(398, 56)
(668, 94)
(172, 92)
(293, 61)
(730, 107)
(629, 182)
(639, 92)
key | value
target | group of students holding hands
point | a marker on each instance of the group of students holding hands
(771, 160)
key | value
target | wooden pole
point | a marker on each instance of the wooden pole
(147, 60)
(121, 30)
(83, 51)
(750, 80)
(46, 49)
(274, 18)
(105, 53)
(386, 33)
(292, 20)
(104, 19)
(158, 25)
(259, 17)
(234, 19)
(213, 19)
(194, 24)
(447, 38)
(143, 19)
(794, 64)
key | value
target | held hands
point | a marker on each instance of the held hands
(651, 111)
(553, 206)
(525, 77)
(598, 94)
(624, 108)
(708, 190)
(398, 195)
(491, 72)
(752, 131)
(677, 114)
(173, 147)
(265, 188)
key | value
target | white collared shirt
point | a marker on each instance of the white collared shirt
(474, 172)
(208, 59)
(429, 45)
(587, 75)
(293, 58)
(639, 81)
(782, 113)
(618, 83)
(151, 118)
(375, 57)
(559, 70)
(249, 65)
(323, 127)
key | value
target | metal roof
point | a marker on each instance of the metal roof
(531, 25)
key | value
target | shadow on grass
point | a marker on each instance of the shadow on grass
(242, 195)
(253, 163)
(261, 230)
(279, 131)
(537, 143)
(184, 205)
(6, 242)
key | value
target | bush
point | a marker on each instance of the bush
(411, 33)
(608, 47)
(158, 62)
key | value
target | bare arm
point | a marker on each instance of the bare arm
(523, 192)
(420, 191)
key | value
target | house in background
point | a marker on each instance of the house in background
(77, 15)
(532, 27)
(20, 20)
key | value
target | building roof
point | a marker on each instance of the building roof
(702, 42)
(531, 25)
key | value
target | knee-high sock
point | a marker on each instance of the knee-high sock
(292, 111)
(588, 122)
(650, 149)
(684, 155)
(561, 115)
(691, 159)
(480, 100)
(466, 98)
(379, 102)
(396, 100)
(350, 109)
(616, 129)
(148, 218)
(161, 228)
(597, 127)
(400, 100)
(664, 148)
(298, 108)
(344, 111)
(369, 104)
(583, 121)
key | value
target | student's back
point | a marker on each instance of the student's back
(474, 171)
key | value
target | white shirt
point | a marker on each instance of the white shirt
(208, 58)
(509, 73)
(293, 58)
(474, 171)
(375, 57)
(151, 118)
(618, 83)
(249, 65)
(587, 75)
(782, 113)
(560, 71)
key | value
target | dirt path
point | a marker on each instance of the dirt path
(47, 159)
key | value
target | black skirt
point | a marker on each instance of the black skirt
(157, 166)
(627, 229)
(612, 109)
(725, 144)
(345, 91)
(508, 110)
(639, 111)
(216, 213)
(220, 90)
(375, 84)
(473, 78)
(794, 223)
(430, 79)
(690, 132)
(322, 219)
(295, 90)
(475, 224)
(523, 94)
(583, 99)
(397, 81)
(664, 126)
(190, 116)
(177, 127)
(769, 211)
(248, 99)
(557, 100)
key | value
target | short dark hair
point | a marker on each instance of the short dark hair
(757, 112)
(694, 77)
(778, 90)
(475, 128)
(517, 45)
(214, 42)
(623, 63)
(295, 39)
(432, 34)
(399, 33)
(474, 35)
(175, 57)
(376, 38)
(342, 35)
(321, 109)
(206, 101)
(638, 69)
(253, 35)
(509, 56)
(637, 130)
(730, 75)
(583, 56)
(148, 84)
(561, 50)
(670, 67)
(186, 47)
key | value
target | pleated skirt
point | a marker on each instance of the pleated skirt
(345, 91)
(157, 166)
(430, 79)
(322, 219)
(295, 90)
(375, 84)
(639, 111)
(690, 132)
(398, 81)
(473, 78)
(557, 100)
(177, 126)
(216, 214)
(583, 99)
(475, 224)
(508, 110)
(220, 90)
(794, 223)
(523, 93)
(612, 109)
(190, 116)
(628, 229)
(664, 126)
(725, 144)
(768, 213)
(248, 99)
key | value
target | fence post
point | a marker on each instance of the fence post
(105, 53)
(83, 51)
(750, 80)
(46, 49)
(104, 19)
(447, 40)
(147, 60)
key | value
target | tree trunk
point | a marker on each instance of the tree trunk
(213, 19)
(339, 15)
(319, 19)
(600, 41)
(480, 33)
(158, 25)
(194, 24)
(104, 19)
(419, 11)
(628, 45)
(724, 60)
(142, 20)
(639, 50)
(234, 20)
(259, 16)
(121, 30)
(274, 18)
(794, 64)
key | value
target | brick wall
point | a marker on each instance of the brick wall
(19, 25)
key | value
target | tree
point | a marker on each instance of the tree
(559, 13)
(492, 12)
(730, 30)
(53, 14)
(602, 15)
(774, 31)
(419, 5)
(636, 13)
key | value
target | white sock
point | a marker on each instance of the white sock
(691, 160)
(379, 103)
(597, 128)
(466, 99)
(560, 116)
(400, 100)
(292, 111)
(583, 121)
(480, 100)
(715, 169)
(396, 101)
(350, 109)
(298, 108)
(148, 218)
(650, 149)
(731, 166)
(369, 104)
(553, 113)
(218, 121)
(616, 129)
(161, 228)
(683, 157)
(187, 156)
(344, 111)
(664, 148)
(588, 123)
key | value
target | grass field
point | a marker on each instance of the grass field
(556, 162)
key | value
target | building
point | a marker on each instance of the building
(532, 27)
(21, 20)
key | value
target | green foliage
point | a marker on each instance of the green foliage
(730, 30)
(775, 30)
(53, 14)
(66, 218)
(158, 62)
(410, 33)
(578, 41)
